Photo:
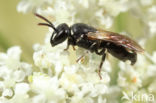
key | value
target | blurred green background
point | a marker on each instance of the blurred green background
(19, 29)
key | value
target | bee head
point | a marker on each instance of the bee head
(60, 34)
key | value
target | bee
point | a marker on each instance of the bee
(94, 40)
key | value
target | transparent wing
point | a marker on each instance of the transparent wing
(115, 38)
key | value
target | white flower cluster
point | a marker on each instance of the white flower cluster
(140, 79)
(73, 82)
(13, 76)
(98, 13)
(32, 5)
(93, 12)
(60, 79)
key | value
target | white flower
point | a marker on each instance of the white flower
(22, 88)
(48, 88)
(12, 58)
(152, 25)
(146, 2)
(7, 92)
(49, 58)
(11, 65)
(129, 78)
(19, 75)
(152, 57)
(39, 99)
(97, 13)
(104, 19)
(12, 70)
(152, 9)
(18, 95)
(114, 7)
(30, 5)
(152, 88)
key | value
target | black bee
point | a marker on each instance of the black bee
(94, 40)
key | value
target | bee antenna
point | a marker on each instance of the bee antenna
(44, 24)
(50, 24)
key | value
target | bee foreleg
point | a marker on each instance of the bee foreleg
(67, 47)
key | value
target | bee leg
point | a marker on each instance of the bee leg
(133, 58)
(101, 52)
(82, 56)
(100, 67)
(73, 48)
(93, 47)
(66, 47)
(68, 44)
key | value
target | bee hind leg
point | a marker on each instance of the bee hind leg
(101, 63)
